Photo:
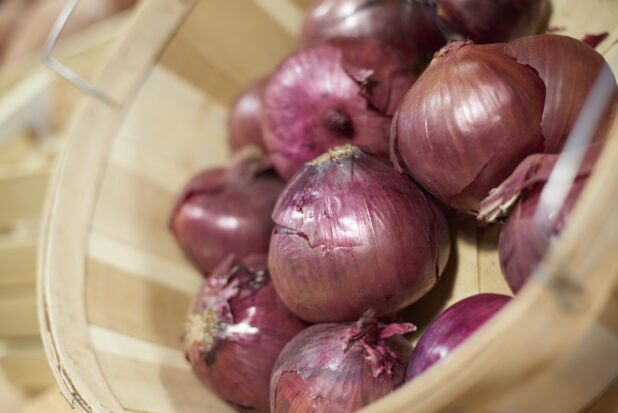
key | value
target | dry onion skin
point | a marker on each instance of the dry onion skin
(236, 331)
(479, 110)
(347, 221)
(527, 235)
(342, 91)
(340, 367)
(223, 211)
(245, 121)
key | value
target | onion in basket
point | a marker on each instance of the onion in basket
(343, 91)
(352, 233)
(479, 110)
(527, 235)
(223, 211)
(245, 117)
(451, 328)
(237, 329)
(331, 368)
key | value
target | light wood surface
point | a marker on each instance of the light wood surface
(112, 337)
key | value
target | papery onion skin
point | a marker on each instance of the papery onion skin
(493, 21)
(467, 122)
(339, 367)
(223, 211)
(569, 69)
(406, 24)
(526, 236)
(451, 328)
(236, 331)
(342, 91)
(245, 117)
(347, 221)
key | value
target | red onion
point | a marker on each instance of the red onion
(236, 331)
(451, 328)
(406, 24)
(524, 240)
(339, 367)
(245, 117)
(480, 110)
(343, 91)
(467, 122)
(593, 40)
(348, 221)
(226, 211)
(492, 21)
(568, 69)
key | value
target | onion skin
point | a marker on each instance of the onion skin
(405, 24)
(342, 91)
(339, 367)
(226, 211)
(524, 240)
(245, 118)
(348, 220)
(236, 331)
(451, 328)
(569, 69)
(467, 122)
(493, 21)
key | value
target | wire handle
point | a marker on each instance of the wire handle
(61, 69)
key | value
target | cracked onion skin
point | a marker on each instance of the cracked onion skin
(467, 122)
(244, 122)
(492, 21)
(236, 331)
(406, 24)
(347, 221)
(223, 211)
(451, 328)
(342, 91)
(339, 367)
(526, 236)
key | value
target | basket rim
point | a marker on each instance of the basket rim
(62, 313)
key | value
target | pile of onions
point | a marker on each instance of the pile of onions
(480, 110)
(223, 211)
(339, 367)
(343, 91)
(528, 232)
(245, 117)
(451, 328)
(236, 331)
(348, 221)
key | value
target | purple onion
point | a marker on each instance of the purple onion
(451, 328)
(347, 221)
(524, 240)
(406, 24)
(245, 117)
(339, 367)
(236, 331)
(343, 91)
(223, 211)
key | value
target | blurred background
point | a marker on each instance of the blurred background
(36, 107)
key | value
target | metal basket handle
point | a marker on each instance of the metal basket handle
(62, 70)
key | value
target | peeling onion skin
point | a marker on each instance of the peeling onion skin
(493, 21)
(451, 328)
(569, 69)
(406, 24)
(245, 118)
(342, 91)
(236, 331)
(339, 367)
(347, 221)
(524, 240)
(467, 122)
(223, 211)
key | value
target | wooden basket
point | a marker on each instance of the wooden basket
(114, 289)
